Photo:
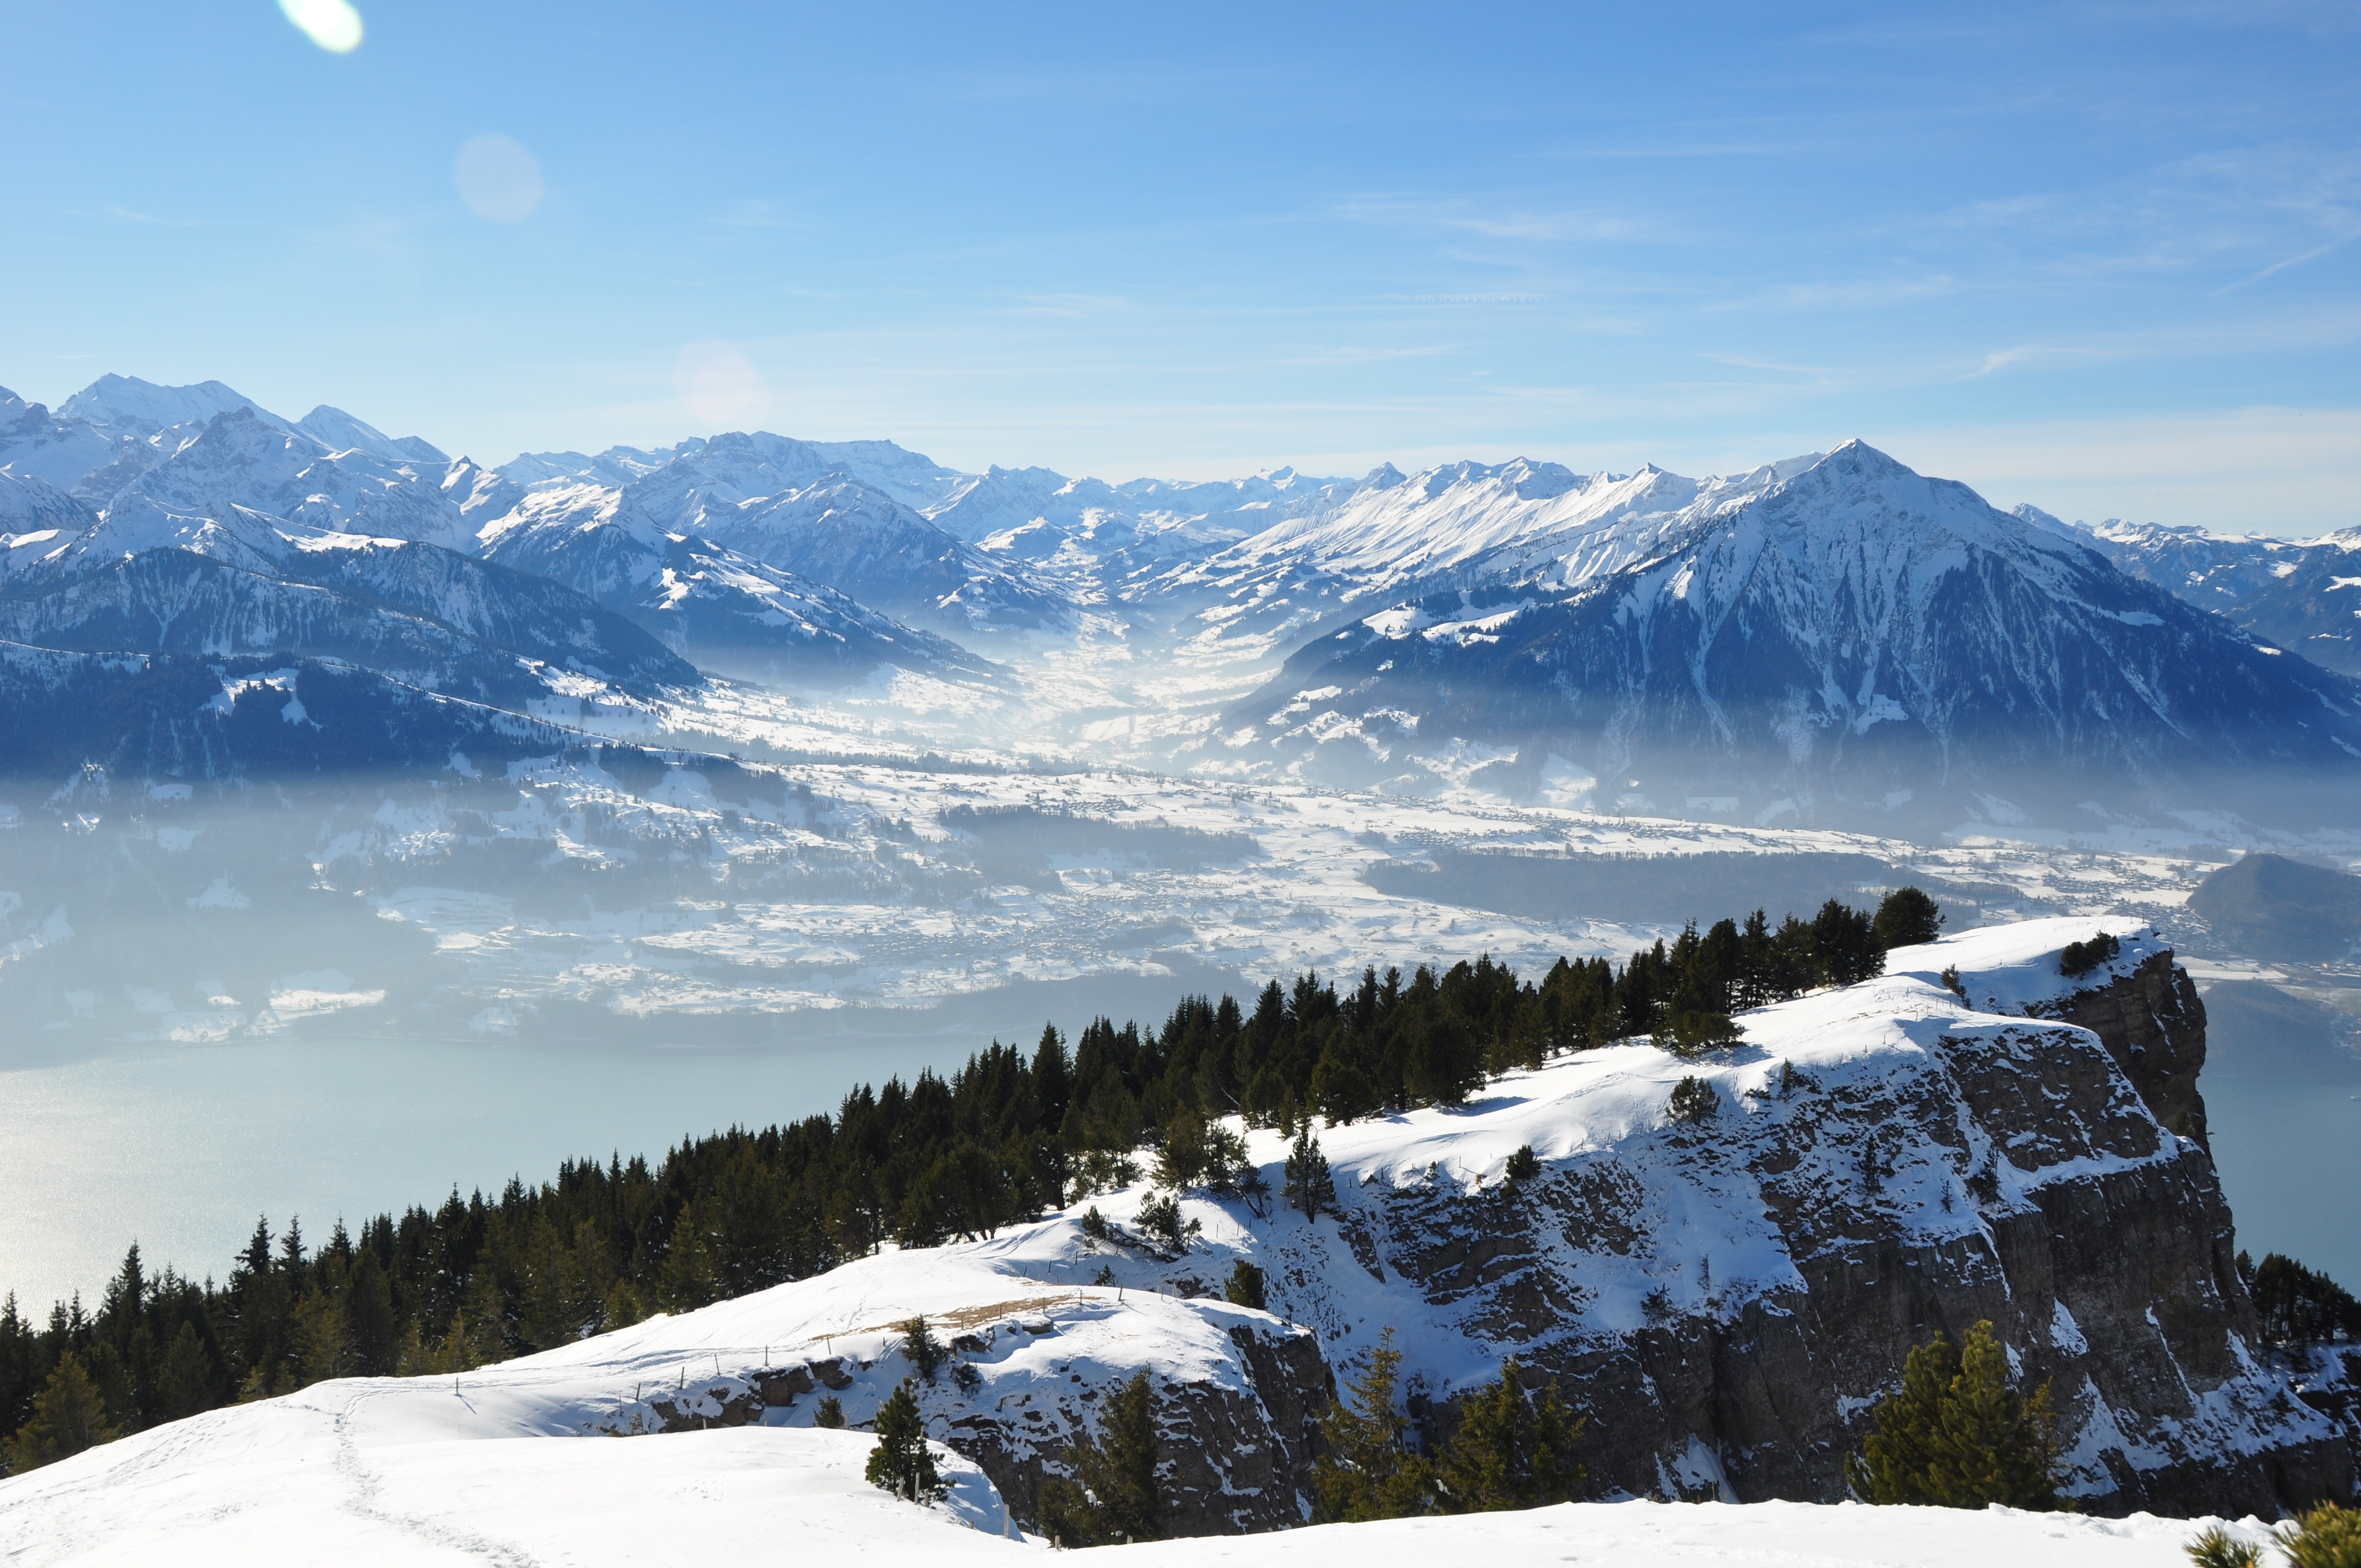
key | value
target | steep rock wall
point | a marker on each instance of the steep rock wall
(2153, 1024)
(1881, 1180)
(1021, 1382)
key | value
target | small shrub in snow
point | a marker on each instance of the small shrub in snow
(966, 1377)
(2327, 1537)
(1245, 1285)
(1952, 983)
(2217, 1548)
(1693, 1100)
(1523, 1164)
(2081, 958)
(924, 1350)
(829, 1415)
(901, 1462)
(1160, 1222)
(1094, 1223)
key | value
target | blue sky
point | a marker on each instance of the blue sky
(2095, 257)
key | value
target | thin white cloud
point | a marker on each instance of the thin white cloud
(2314, 254)
(1497, 223)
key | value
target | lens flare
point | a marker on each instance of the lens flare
(722, 386)
(497, 179)
(333, 25)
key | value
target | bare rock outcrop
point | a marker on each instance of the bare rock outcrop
(2153, 1024)
(1727, 1298)
(1238, 1398)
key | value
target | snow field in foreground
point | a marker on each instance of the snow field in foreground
(295, 1485)
(1790, 1535)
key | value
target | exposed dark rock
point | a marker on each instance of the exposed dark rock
(2153, 1022)
(2045, 1192)
(1236, 1459)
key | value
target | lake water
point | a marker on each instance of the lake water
(181, 1148)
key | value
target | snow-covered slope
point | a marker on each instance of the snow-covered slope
(425, 617)
(730, 613)
(243, 462)
(228, 719)
(131, 406)
(1725, 1300)
(36, 443)
(758, 496)
(341, 432)
(30, 504)
(1460, 526)
(2303, 595)
(1102, 542)
(379, 1478)
(739, 617)
(908, 477)
(1851, 637)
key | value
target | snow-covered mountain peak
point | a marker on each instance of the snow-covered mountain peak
(341, 432)
(129, 404)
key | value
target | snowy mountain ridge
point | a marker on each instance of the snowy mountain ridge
(1725, 1298)
(1852, 628)
(2298, 593)
(1896, 645)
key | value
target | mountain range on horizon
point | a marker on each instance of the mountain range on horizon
(1787, 641)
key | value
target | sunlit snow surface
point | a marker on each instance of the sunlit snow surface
(508, 1463)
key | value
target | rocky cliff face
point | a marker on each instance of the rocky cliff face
(2153, 1024)
(1727, 1298)
(1237, 1395)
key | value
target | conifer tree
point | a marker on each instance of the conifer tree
(1511, 1450)
(901, 1462)
(1309, 1188)
(1698, 1019)
(1693, 1100)
(1369, 1471)
(185, 1384)
(369, 1317)
(1113, 1495)
(921, 1348)
(1907, 917)
(686, 1280)
(2325, 1537)
(1956, 1435)
(1245, 1285)
(68, 1416)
